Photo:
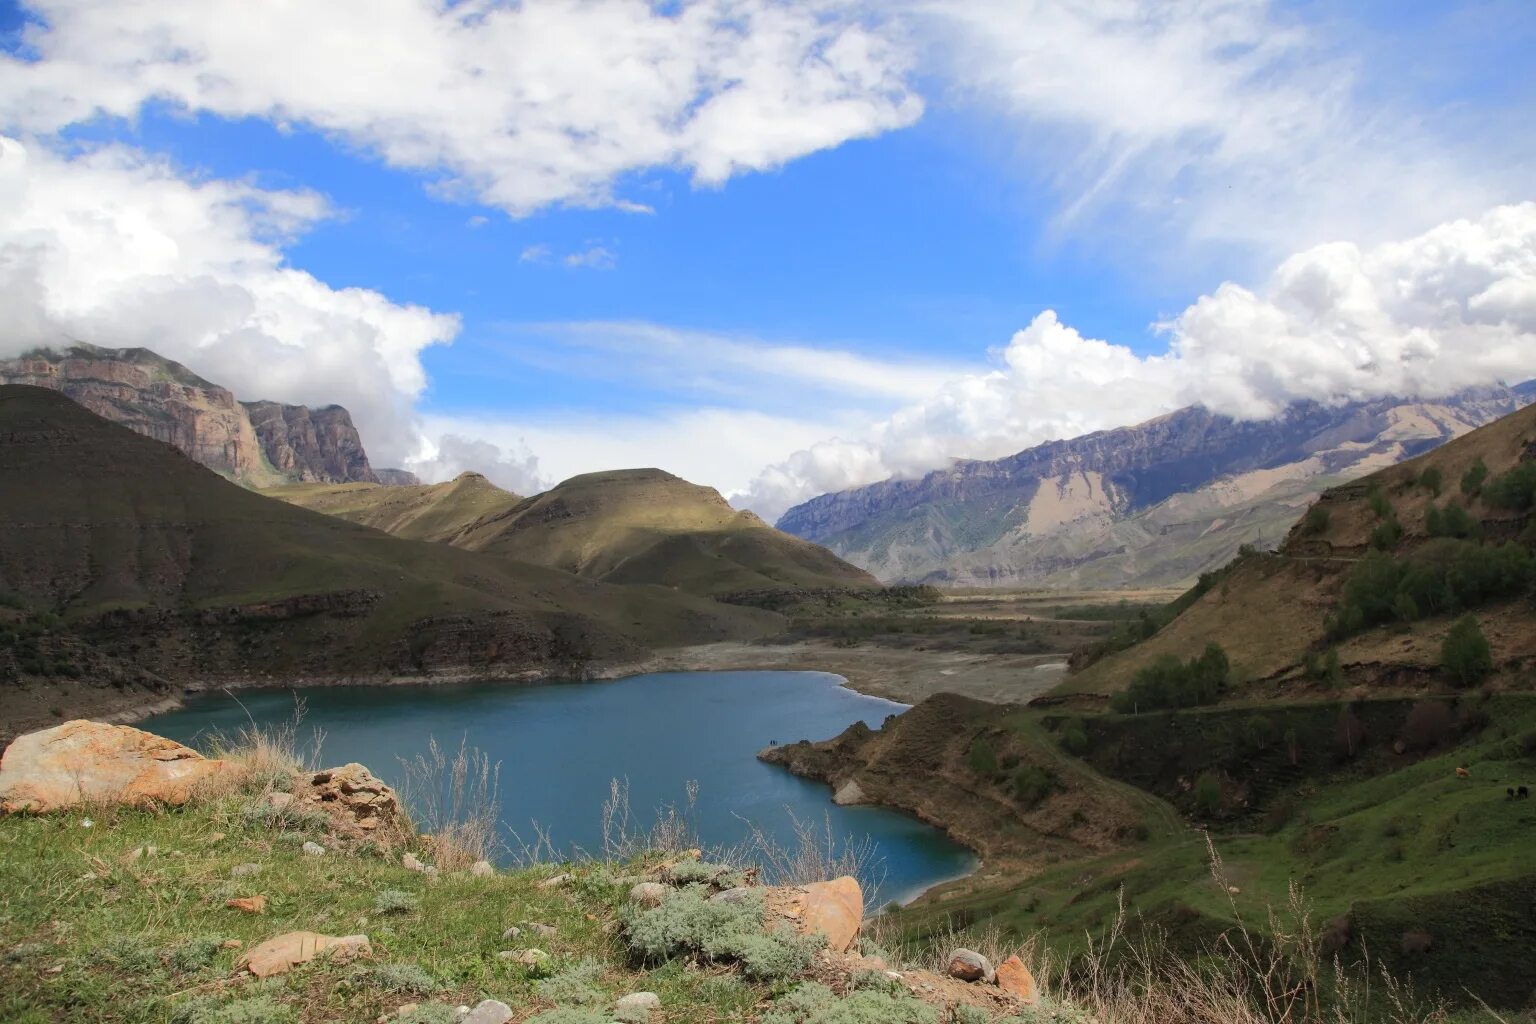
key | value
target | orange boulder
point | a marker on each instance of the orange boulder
(81, 761)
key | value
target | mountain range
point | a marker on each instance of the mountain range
(254, 443)
(1149, 505)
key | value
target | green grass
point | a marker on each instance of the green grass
(135, 940)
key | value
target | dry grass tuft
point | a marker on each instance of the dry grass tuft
(454, 800)
(267, 757)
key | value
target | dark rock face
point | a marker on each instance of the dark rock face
(311, 445)
(255, 443)
(973, 521)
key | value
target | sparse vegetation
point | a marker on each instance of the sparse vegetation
(1465, 654)
(1444, 576)
(1171, 683)
(1432, 480)
(1316, 520)
(1472, 479)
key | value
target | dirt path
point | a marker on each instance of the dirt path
(897, 674)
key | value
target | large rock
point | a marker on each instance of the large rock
(489, 1011)
(282, 952)
(834, 909)
(84, 761)
(355, 796)
(968, 965)
(1014, 978)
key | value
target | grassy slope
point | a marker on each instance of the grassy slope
(1399, 843)
(644, 525)
(96, 519)
(1271, 609)
(69, 897)
(432, 512)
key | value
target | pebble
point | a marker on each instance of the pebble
(637, 1006)
(512, 933)
(313, 849)
(555, 881)
(969, 965)
(482, 869)
(546, 930)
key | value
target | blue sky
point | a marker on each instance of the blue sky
(859, 293)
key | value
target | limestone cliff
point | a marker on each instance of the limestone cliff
(259, 444)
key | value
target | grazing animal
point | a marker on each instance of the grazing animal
(1462, 773)
(1509, 793)
(1523, 793)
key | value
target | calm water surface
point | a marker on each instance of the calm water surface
(560, 745)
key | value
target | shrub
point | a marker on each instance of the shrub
(393, 901)
(1513, 490)
(1074, 737)
(1432, 480)
(1032, 784)
(429, 1013)
(1386, 534)
(1258, 732)
(1170, 683)
(982, 757)
(1465, 655)
(1316, 520)
(573, 985)
(1377, 499)
(570, 1015)
(1472, 479)
(291, 818)
(688, 922)
(774, 957)
(127, 953)
(814, 1003)
(195, 954)
(1208, 793)
(691, 871)
(1452, 521)
(260, 1008)
(1445, 575)
(398, 978)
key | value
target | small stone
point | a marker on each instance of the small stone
(410, 863)
(86, 823)
(482, 869)
(740, 894)
(231, 944)
(279, 801)
(648, 894)
(542, 930)
(248, 904)
(489, 1011)
(313, 849)
(405, 1009)
(968, 965)
(244, 870)
(512, 933)
(637, 1006)
(526, 957)
(1014, 978)
(217, 837)
(555, 881)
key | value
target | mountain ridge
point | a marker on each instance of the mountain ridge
(1152, 504)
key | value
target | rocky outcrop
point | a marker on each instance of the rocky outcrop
(259, 444)
(310, 445)
(397, 478)
(832, 909)
(355, 798)
(1157, 503)
(282, 953)
(86, 762)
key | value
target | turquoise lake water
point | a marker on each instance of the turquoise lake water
(561, 745)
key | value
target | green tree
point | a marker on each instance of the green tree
(1472, 479)
(1377, 499)
(1432, 480)
(1386, 534)
(1514, 490)
(1465, 655)
(1333, 671)
(1032, 784)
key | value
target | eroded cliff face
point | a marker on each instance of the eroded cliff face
(260, 444)
(1153, 504)
(311, 445)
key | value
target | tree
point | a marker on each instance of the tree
(1431, 480)
(1377, 498)
(1333, 671)
(1472, 479)
(982, 757)
(1465, 655)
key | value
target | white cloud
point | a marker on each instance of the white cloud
(718, 447)
(516, 471)
(539, 254)
(1449, 309)
(1231, 122)
(116, 248)
(519, 105)
(596, 257)
(692, 362)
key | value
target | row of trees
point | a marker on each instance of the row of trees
(1444, 576)
(1170, 683)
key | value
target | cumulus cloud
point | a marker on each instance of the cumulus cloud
(519, 105)
(516, 471)
(118, 249)
(1451, 308)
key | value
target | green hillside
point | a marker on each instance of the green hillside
(434, 512)
(147, 559)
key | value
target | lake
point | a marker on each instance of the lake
(561, 745)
